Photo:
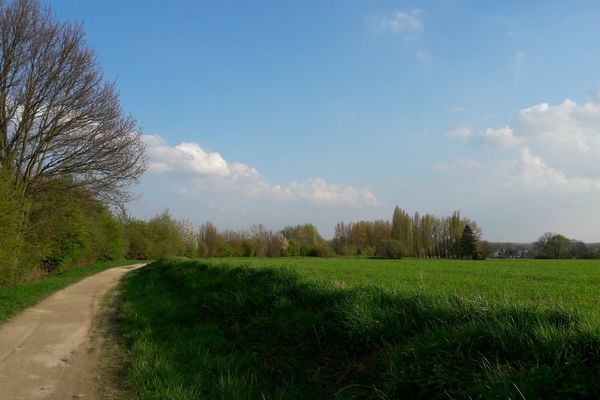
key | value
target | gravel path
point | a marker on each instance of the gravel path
(47, 352)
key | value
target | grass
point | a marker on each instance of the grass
(363, 329)
(15, 298)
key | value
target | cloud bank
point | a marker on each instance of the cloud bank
(191, 170)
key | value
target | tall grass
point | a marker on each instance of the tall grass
(198, 329)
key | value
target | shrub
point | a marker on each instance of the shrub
(390, 248)
(11, 241)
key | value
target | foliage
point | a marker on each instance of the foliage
(390, 248)
(305, 240)
(63, 227)
(552, 245)
(67, 227)
(369, 329)
(468, 244)
(422, 236)
(165, 236)
(11, 240)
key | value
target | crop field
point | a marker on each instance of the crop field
(363, 329)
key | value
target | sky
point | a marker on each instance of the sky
(286, 112)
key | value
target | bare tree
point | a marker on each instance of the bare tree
(59, 118)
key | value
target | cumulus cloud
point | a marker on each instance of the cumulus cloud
(191, 170)
(557, 146)
(533, 173)
(407, 24)
(186, 158)
(566, 135)
(564, 127)
(502, 137)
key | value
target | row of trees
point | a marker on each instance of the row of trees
(406, 235)
(553, 245)
(425, 236)
(163, 235)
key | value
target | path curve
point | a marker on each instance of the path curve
(45, 351)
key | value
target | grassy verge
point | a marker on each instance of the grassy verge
(16, 298)
(112, 353)
(200, 329)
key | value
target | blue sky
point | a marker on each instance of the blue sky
(321, 111)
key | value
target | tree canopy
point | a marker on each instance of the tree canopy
(59, 118)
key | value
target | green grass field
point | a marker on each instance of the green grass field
(358, 329)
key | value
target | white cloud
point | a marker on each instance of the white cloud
(564, 127)
(321, 192)
(533, 173)
(502, 137)
(459, 133)
(407, 24)
(185, 158)
(558, 147)
(192, 170)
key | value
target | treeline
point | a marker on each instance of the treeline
(557, 246)
(424, 236)
(403, 236)
(549, 245)
(58, 227)
(163, 235)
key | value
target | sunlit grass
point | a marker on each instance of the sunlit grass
(358, 328)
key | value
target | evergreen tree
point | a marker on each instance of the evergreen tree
(468, 244)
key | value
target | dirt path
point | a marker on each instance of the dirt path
(47, 352)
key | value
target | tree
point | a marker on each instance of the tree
(559, 246)
(579, 250)
(541, 246)
(402, 227)
(59, 119)
(551, 245)
(209, 234)
(468, 244)
(485, 248)
(165, 238)
(305, 240)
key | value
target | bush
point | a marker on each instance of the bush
(390, 248)
(11, 240)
